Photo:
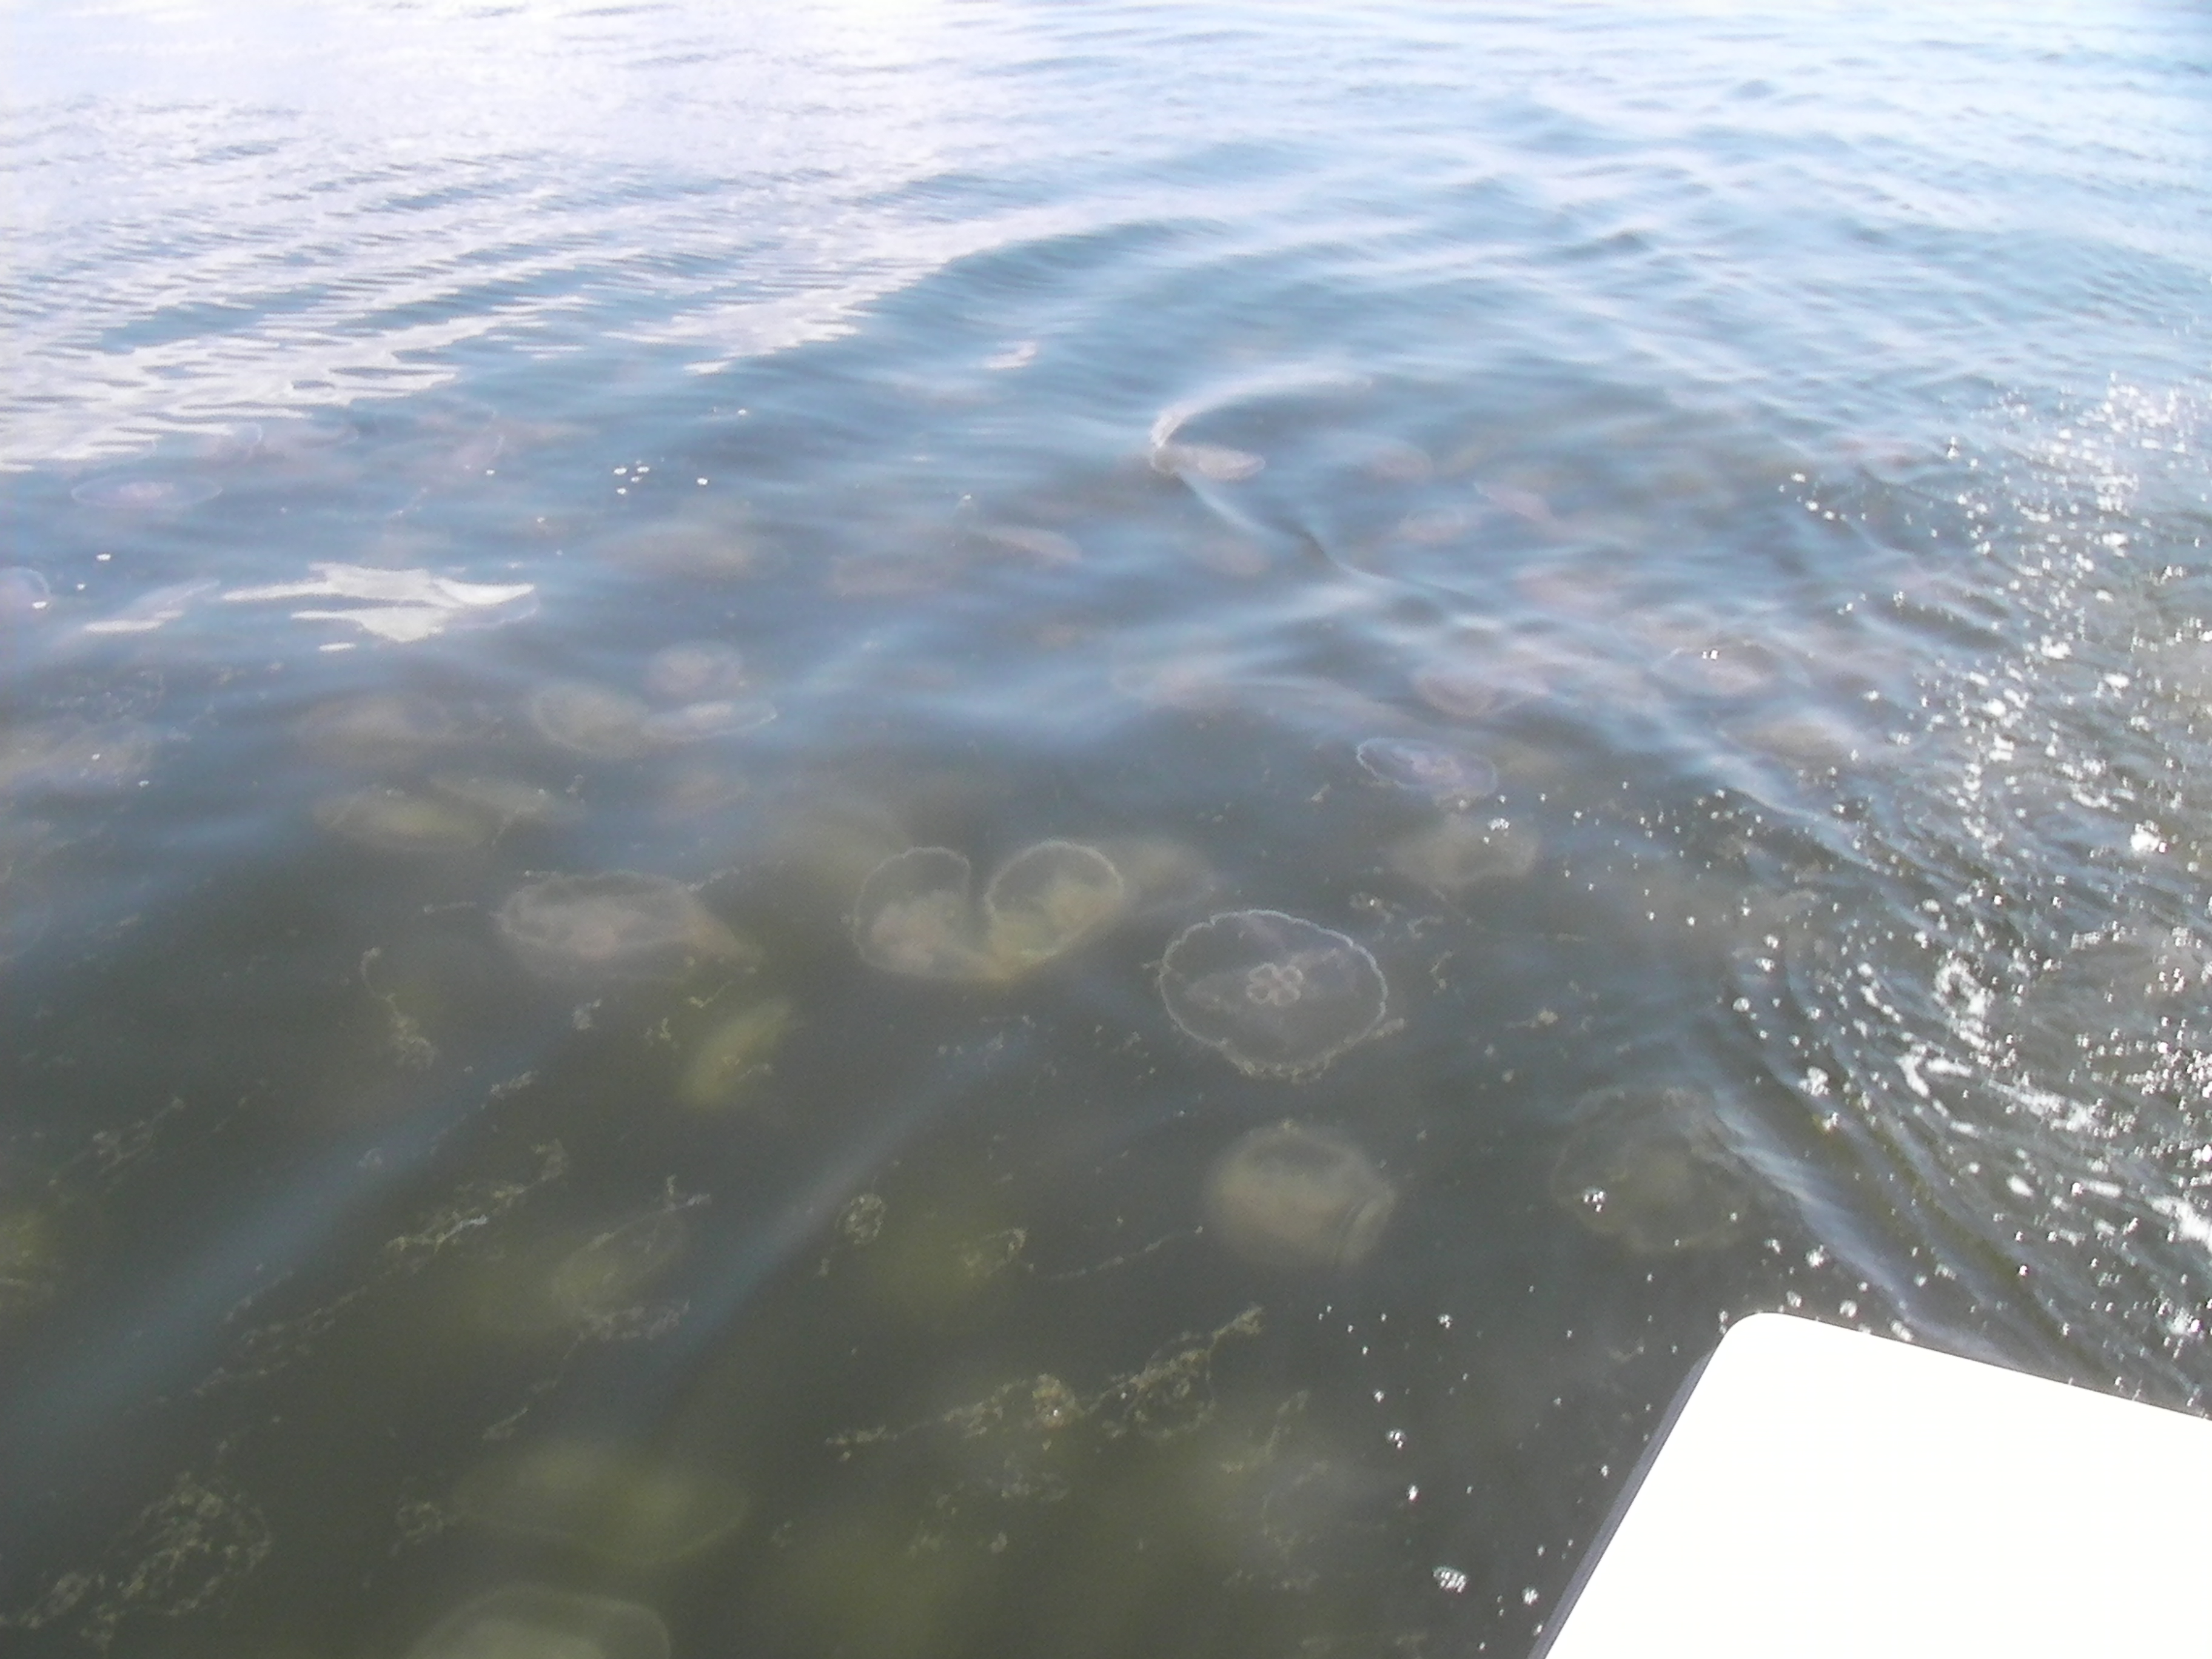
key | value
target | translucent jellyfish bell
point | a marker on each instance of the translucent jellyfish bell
(1278, 995)
(915, 916)
(592, 720)
(607, 1275)
(531, 1621)
(1291, 1196)
(401, 820)
(615, 925)
(625, 1506)
(1650, 1169)
(1462, 851)
(1438, 770)
(1046, 899)
(695, 671)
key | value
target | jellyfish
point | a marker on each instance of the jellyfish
(697, 670)
(1289, 1195)
(591, 720)
(1648, 1168)
(531, 1621)
(695, 721)
(697, 545)
(1461, 851)
(378, 729)
(1474, 691)
(1438, 770)
(75, 757)
(506, 801)
(23, 592)
(735, 1054)
(607, 1275)
(915, 914)
(146, 494)
(1723, 668)
(1046, 899)
(631, 1509)
(618, 925)
(1278, 995)
(400, 821)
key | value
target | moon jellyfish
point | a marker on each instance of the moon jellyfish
(1278, 995)
(506, 801)
(23, 592)
(400, 821)
(1046, 899)
(735, 1055)
(378, 729)
(702, 546)
(631, 1509)
(1463, 852)
(591, 720)
(530, 1621)
(1291, 1196)
(618, 925)
(1648, 1168)
(1435, 769)
(73, 757)
(146, 494)
(1474, 691)
(42, 1234)
(697, 670)
(1723, 668)
(607, 1275)
(915, 915)
(695, 721)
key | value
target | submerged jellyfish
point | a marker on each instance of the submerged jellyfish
(530, 1621)
(695, 721)
(915, 914)
(146, 494)
(592, 720)
(1292, 1196)
(1278, 994)
(1462, 851)
(23, 592)
(1438, 770)
(1649, 1168)
(400, 821)
(615, 925)
(697, 670)
(626, 1507)
(75, 757)
(1723, 668)
(735, 1054)
(378, 729)
(506, 801)
(604, 1275)
(1046, 899)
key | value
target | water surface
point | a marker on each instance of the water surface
(644, 649)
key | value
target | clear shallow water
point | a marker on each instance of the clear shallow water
(1763, 455)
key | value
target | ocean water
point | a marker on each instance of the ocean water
(914, 829)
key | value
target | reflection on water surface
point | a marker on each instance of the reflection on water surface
(1073, 845)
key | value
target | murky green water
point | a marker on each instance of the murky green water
(924, 830)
